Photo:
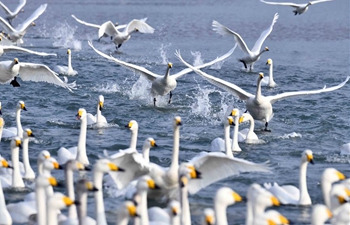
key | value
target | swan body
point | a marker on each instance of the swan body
(98, 119)
(219, 144)
(120, 37)
(161, 85)
(18, 130)
(251, 56)
(10, 15)
(298, 8)
(5, 217)
(67, 70)
(288, 194)
(259, 106)
(268, 81)
(16, 34)
(77, 152)
(320, 214)
(10, 70)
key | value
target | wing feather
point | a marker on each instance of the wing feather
(107, 28)
(35, 15)
(7, 11)
(86, 23)
(20, 6)
(10, 48)
(8, 28)
(284, 3)
(141, 25)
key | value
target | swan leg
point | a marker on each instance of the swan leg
(154, 101)
(251, 67)
(266, 124)
(171, 95)
(295, 12)
(245, 65)
(14, 82)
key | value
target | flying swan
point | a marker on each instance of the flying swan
(30, 72)
(259, 106)
(161, 85)
(11, 15)
(251, 55)
(298, 8)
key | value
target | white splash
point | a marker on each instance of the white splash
(197, 58)
(108, 88)
(163, 50)
(291, 135)
(64, 35)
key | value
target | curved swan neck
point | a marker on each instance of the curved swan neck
(145, 153)
(82, 207)
(167, 74)
(143, 208)
(98, 112)
(251, 125)
(72, 212)
(304, 194)
(174, 166)
(133, 141)
(29, 173)
(185, 205)
(81, 151)
(227, 141)
(17, 180)
(220, 214)
(41, 205)
(234, 144)
(99, 204)
(18, 123)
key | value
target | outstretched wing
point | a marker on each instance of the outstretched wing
(10, 48)
(20, 6)
(222, 30)
(263, 36)
(7, 11)
(107, 28)
(35, 15)
(278, 97)
(140, 25)
(284, 3)
(8, 28)
(40, 73)
(227, 86)
(86, 23)
(137, 69)
(218, 59)
(319, 1)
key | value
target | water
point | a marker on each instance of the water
(309, 51)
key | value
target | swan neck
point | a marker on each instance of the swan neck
(72, 212)
(81, 149)
(99, 204)
(249, 217)
(251, 126)
(143, 208)
(98, 112)
(220, 214)
(258, 89)
(174, 166)
(4, 214)
(52, 216)
(227, 141)
(133, 141)
(18, 123)
(82, 208)
(326, 189)
(41, 205)
(271, 74)
(167, 74)
(69, 61)
(122, 220)
(145, 153)
(17, 180)
(25, 157)
(185, 205)
(234, 145)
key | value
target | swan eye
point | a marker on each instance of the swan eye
(236, 197)
(275, 201)
(67, 201)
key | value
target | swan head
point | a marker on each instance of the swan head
(33, 24)
(128, 209)
(331, 175)
(150, 142)
(75, 165)
(309, 3)
(2, 122)
(28, 133)
(262, 198)
(16, 143)
(84, 185)
(266, 49)
(307, 156)
(21, 105)
(81, 114)
(230, 121)
(170, 65)
(44, 154)
(132, 125)
(341, 193)
(101, 101)
(273, 217)
(68, 52)
(174, 208)
(269, 62)
(209, 216)
(234, 112)
(45, 181)
(187, 169)
(226, 196)
(4, 163)
(51, 164)
(177, 121)
(104, 165)
(320, 212)
(145, 183)
(245, 117)
(116, 24)
(59, 201)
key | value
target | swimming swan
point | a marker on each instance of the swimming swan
(18, 130)
(98, 119)
(298, 8)
(259, 106)
(248, 135)
(161, 85)
(268, 81)
(67, 70)
(251, 55)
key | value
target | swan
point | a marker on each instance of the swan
(268, 81)
(219, 144)
(234, 144)
(343, 217)
(251, 55)
(101, 167)
(298, 8)
(83, 186)
(98, 119)
(328, 177)
(5, 217)
(248, 135)
(345, 149)
(10, 15)
(320, 214)
(28, 171)
(288, 194)
(259, 106)
(208, 217)
(16, 131)
(271, 217)
(67, 70)
(127, 210)
(76, 152)
(16, 34)
(55, 203)
(339, 195)
(224, 197)
(2, 123)
(10, 70)
(120, 37)
(11, 48)
(161, 85)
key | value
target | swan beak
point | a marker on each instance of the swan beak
(233, 113)
(30, 133)
(101, 106)
(310, 158)
(269, 61)
(68, 51)
(68, 201)
(175, 211)
(283, 220)
(236, 197)
(152, 185)
(18, 143)
(33, 24)
(114, 167)
(79, 114)
(178, 121)
(194, 174)
(153, 143)
(275, 201)
(90, 186)
(170, 65)
(209, 220)
(241, 119)
(261, 75)
(53, 181)
(16, 61)
(230, 120)
(129, 125)
(340, 176)
(183, 181)
(132, 210)
(23, 107)
(329, 213)
(5, 164)
(341, 200)
(80, 166)
(57, 166)
(347, 191)
(267, 49)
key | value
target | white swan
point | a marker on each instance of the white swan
(10, 15)
(97, 119)
(224, 197)
(10, 70)
(259, 106)
(127, 210)
(298, 8)
(120, 37)
(28, 171)
(343, 217)
(268, 81)
(208, 217)
(55, 203)
(329, 176)
(234, 144)
(345, 149)
(18, 130)
(270, 217)
(288, 194)
(67, 70)
(76, 152)
(251, 55)
(11, 48)
(320, 214)
(248, 135)
(17, 34)
(101, 167)
(219, 144)
(161, 85)
(82, 188)
(339, 195)
(5, 217)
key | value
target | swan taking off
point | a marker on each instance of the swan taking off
(298, 8)
(259, 106)
(10, 15)
(251, 56)
(67, 70)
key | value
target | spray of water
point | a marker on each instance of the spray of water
(197, 58)
(163, 50)
(64, 35)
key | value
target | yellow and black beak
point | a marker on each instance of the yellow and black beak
(90, 186)
(79, 114)
(170, 65)
(209, 220)
(5, 164)
(261, 75)
(129, 125)
(100, 105)
(174, 211)
(152, 185)
(114, 167)
(57, 166)
(16, 61)
(153, 143)
(310, 159)
(18, 143)
(194, 173)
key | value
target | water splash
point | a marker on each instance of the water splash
(197, 58)
(107, 88)
(163, 50)
(291, 135)
(64, 35)
(140, 89)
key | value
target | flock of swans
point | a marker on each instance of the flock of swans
(132, 173)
